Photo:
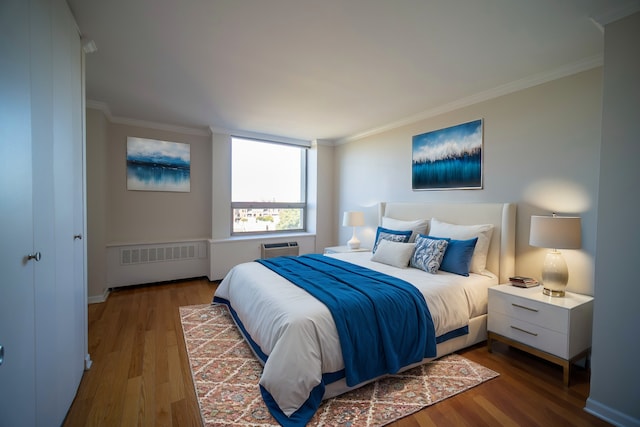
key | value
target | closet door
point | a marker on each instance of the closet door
(57, 140)
(43, 301)
(70, 289)
(17, 368)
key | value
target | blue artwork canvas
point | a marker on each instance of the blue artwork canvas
(449, 158)
(154, 165)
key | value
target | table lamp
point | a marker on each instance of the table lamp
(353, 219)
(555, 232)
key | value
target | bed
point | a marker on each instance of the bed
(301, 340)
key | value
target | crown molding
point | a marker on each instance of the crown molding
(605, 18)
(99, 105)
(518, 85)
(260, 136)
(325, 142)
(185, 130)
(204, 131)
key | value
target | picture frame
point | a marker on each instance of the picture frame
(155, 165)
(448, 158)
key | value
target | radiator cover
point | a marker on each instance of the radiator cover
(138, 263)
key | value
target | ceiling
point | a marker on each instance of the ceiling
(326, 69)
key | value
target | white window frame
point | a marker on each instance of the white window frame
(275, 205)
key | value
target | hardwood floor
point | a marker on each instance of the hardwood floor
(141, 376)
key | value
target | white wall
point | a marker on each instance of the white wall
(615, 378)
(221, 187)
(321, 198)
(97, 181)
(156, 216)
(541, 148)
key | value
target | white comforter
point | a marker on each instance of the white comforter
(283, 319)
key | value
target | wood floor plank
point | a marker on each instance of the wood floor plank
(176, 377)
(149, 374)
(491, 414)
(132, 405)
(104, 411)
(163, 405)
(141, 374)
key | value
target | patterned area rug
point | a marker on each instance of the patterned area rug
(226, 374)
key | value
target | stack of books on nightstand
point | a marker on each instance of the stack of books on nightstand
(523, 282)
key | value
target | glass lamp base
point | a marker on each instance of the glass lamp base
(552, 292)
(554, 274)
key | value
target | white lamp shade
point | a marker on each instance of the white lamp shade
(557, 232)
(353, 219)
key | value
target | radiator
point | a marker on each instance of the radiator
(169, 252)
(270, 250)
(138, 263)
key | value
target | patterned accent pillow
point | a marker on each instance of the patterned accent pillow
(418, 226)
(393, 235)
(428, 253)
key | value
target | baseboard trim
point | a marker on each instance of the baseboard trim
(87, 362)
(610, 415)
(97, 299)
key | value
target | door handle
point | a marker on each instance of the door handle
(35, 256)
(77, 237)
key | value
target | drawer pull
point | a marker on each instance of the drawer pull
(522, 330)
(526, 308)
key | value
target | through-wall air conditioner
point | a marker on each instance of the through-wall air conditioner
(270, 250)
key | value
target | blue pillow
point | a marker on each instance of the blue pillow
(457, 258)
(393, 235)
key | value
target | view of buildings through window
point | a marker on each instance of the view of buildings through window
(268, 186)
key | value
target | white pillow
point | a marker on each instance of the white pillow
(418, 226)
(393, 253)
(464, 232)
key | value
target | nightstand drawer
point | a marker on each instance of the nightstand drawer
(527, 333)
(534, 312)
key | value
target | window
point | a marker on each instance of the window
(268, 186)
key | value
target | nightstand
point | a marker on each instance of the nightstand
(557, 329)
(343, 249)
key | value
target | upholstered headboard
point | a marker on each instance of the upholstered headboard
(501, 256)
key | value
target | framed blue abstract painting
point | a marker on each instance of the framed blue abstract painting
(154, 165)
(449, 158)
